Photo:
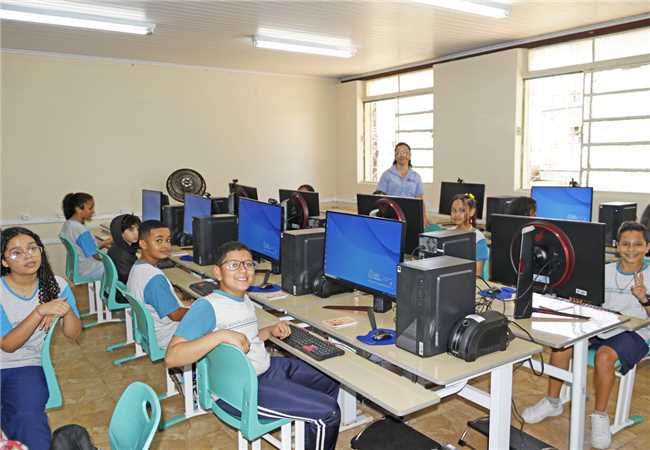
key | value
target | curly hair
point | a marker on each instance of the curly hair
(48, 288)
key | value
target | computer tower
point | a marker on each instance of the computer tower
(302, 259)
(172, 218)
(497, 205)
(613, 214)
(432, 295)
(209, 233)
(458, 243)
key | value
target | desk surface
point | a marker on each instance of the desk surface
(390, 391)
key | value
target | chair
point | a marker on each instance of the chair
(146, 343)
(56, 398)
(225, 373)
(72, 274)
(135, 418)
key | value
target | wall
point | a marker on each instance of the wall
(112, 128)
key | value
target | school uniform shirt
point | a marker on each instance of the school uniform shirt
(482, 252)
(13, 310)
(392, 183)
(221, 311)
(149, 285)
(81, 237)
(619, 297)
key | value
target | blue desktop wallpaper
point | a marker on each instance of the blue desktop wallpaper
(195, 206)
(150, 205)
(363, 250)
(260, 227)
(563, 202)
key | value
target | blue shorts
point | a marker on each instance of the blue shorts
(629, 346)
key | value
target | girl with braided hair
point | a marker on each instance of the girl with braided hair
(31, 297)
(463, 215)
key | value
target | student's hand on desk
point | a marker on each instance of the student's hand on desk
(51, 310)
(638, 289)
(234, 338)
(281, 330)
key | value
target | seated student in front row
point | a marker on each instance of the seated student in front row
(288, 387)
(463, 215)
(149, 285)
(625, 292)
(77, 209)
(31, 296)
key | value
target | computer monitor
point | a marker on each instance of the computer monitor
(239, 190)
(195, 206)
(364, 252)
(152, 203)
(260, 228)
(410, 210)
(563, 202)
(568, 255)
(300, 205)
(449, 190)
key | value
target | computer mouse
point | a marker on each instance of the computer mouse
(381, 336)
(266, 286)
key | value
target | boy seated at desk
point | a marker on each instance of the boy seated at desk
(625, 292)
(288, 387)
(148, 284)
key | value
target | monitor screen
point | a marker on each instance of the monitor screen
(364, 251)
(260, 228)
(562, 202)
(151, 204)
(449, 190)
(195, 206)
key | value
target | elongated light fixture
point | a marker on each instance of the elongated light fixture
(74, 20)
(300, 42)
(480, 8)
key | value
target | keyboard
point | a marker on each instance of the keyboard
(311, 345)
(166, 264)
(204, 288)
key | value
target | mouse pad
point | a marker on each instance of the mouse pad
(272, 288)
(505, 293)
(187, 258)
(368, 338)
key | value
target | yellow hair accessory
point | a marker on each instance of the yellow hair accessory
(470, 196)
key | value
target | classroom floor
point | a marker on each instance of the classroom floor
(91, 386)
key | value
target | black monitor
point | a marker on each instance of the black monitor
(449, 190)
(238, 191)
(563, 202)
(152, 203)
(195, 206)
(568, 256)
(299, 206)
(260, 227)
(363, 252)
(409, 210)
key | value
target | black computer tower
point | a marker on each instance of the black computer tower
(302, 259)
(172, 218)
(497, 205)
(432, 295)
(458, 243)
(209, 233)
(613, 214)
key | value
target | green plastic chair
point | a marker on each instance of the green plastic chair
(227, 374)
(135, 418)
(72, 274)
(56, 398)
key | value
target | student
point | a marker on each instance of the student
(77, 209)
(463, 215)
(522, 206)
(306, 188)
(288, 387)
(124, 231)
(148, 284)
(31, 296)
(625, 292)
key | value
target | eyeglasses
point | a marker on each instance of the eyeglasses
(19, 253)
(233, 265)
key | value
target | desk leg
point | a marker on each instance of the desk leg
(578, 395)
(348, 405)
(500, 409)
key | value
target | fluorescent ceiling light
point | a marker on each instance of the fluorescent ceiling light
(303, 43)
(481, 8)
(51, 17)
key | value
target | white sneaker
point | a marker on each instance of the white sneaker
(601, 435)
(540, 411)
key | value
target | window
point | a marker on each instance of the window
(398, 108)
(592, 125)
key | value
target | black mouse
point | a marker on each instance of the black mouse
(381, 336)
(266, 286)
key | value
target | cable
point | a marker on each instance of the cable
(419, 247)
(532, 283)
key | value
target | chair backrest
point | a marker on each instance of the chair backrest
(144, 329)
(109, 283)
(226, 373)
(486, 268)
(56, 398)
(71, 259)
(135, 418)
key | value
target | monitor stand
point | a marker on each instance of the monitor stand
(265, 286)
(381, 304)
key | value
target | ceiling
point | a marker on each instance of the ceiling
(387, 34)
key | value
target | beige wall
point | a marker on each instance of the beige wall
(112, 128)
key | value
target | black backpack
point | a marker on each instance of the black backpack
(390, 434)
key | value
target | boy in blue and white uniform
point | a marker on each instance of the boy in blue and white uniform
(148, 284)
(625, 292)
(288, 387)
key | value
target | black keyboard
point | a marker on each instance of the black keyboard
(166, 264)
(311, 345)
(204, 288)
